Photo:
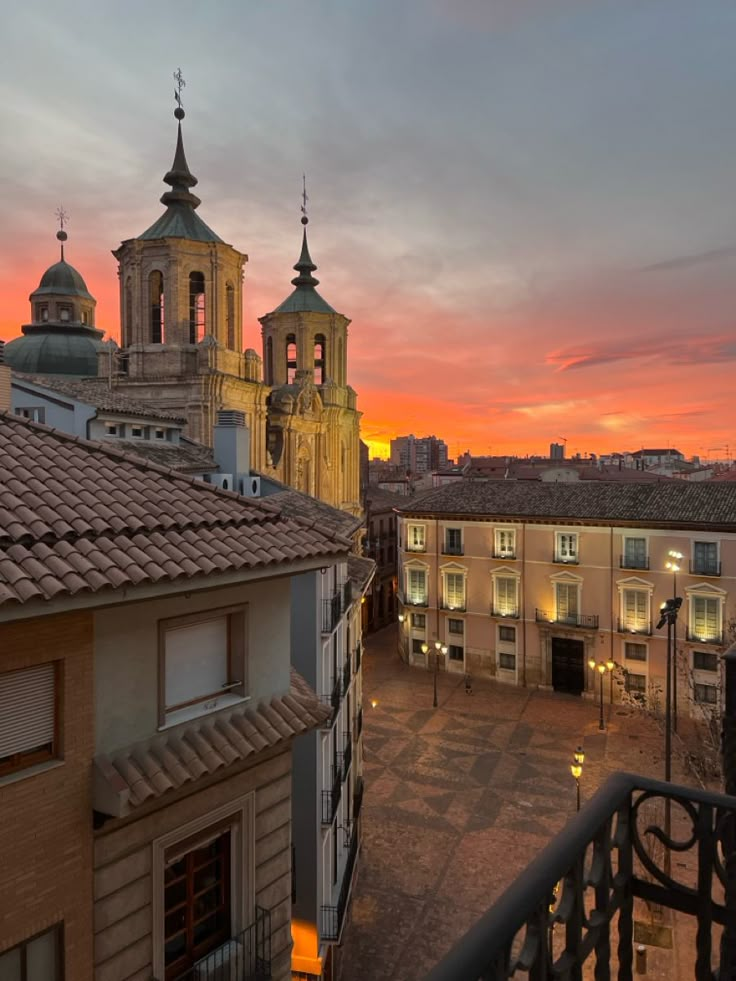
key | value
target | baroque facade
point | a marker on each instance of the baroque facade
(182, 349)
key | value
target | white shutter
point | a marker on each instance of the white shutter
(26, 709)
(196, 660)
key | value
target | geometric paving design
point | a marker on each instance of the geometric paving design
(459, 799)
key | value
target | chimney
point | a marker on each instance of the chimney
(232, 442)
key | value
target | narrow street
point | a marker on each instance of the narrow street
(460, 798)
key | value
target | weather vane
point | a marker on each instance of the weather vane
(180, 84)
(61, 234)
(305, 218)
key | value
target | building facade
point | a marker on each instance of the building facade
(418, 454)
(528, 584)
(381, 544)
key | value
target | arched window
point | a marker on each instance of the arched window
(340, 367)
(319, 359)
(197, 323)
(156, 296)
(230, 315)
(128, 322)
(269, 361)
(290, 359)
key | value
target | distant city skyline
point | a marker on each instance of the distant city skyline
(524, 206)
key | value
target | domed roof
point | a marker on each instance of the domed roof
(61, 278)
(55, 352)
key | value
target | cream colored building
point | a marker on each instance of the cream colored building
(526, 583)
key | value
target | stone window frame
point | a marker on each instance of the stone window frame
(239, 818)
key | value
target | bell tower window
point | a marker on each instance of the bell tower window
(319, 359)
(197, 321)
(269, 361)
(230, 313)
(128, 322)
(156, 291)
(290, 359)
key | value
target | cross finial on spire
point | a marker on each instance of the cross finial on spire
(180, 84)
(305, 218)
(61, 234)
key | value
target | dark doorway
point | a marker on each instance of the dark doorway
(568, 660)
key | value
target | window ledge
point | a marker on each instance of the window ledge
(30, 771)
(180, 716)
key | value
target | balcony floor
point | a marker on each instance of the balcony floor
(466, 795)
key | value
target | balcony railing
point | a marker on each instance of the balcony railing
(565, 559)
(346, 591)
(454, 608)
(247, 957)
(704, 567)
(496, 611)
(416, 601)
(358, 727)
(333, 699)
(416, 548)
(448, 549)
(632, 562)
(331, 613)
(358, 797)
(587, 620)
(331, 797)
(704, 637)
(634, 627)
(616, 850)
(504, 555)
(358, 656)
(347, 674)
(347, 756)
(331, 917)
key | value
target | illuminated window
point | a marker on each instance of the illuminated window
(416, 586)
(566, 547)
(319, 359)
(416, 538)
(566, 595)
(505, 543)
(290, 359)
(505, 603)
(197, 322)
(454, 590)
(705, 618)
(635, 609)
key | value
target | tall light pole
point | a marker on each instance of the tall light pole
(673, 565)
(668, 615)
(576, 768)
(439, 648)
(601, 667)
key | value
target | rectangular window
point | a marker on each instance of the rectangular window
(454, 590)
(706, 694)
(507, 634)
(202, 661)
(566, 547)
(505, 543)
(455, 653)
(35, 413)
(507, 661)
(636, 683)
(567, 602)
(635, 553)
(635, 603)
(705, 661)
(419, 621)
(455, 626)
(417, 586)
(197, 899)
(65, 312)
(706, 618)
(37, 959)
(505, 588)
(705, 558)
(635, 652)
(416, 538)
(416, 646)
(28, 723)
(111, 429)
(453, 541)
(159, 433)
(136, 432)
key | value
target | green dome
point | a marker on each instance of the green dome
(61, 278)
(51, 351)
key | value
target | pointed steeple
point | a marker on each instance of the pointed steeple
(305, 297)
(180, 178)
(305, 267)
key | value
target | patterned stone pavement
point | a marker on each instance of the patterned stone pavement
(460, 798)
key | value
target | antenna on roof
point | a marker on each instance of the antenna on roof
(61, 234)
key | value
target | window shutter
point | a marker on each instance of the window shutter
(196, 660)
(26, 709)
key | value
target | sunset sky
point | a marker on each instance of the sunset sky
(526, 207)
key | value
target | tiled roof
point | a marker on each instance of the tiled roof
(379, 499)
(80, 517)
(317, 513)
(186, 456)
(148, 770)
(360, 570)
(97, 393)
(674, 502)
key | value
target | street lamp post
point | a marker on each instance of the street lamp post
(673, 565)
(439, 648)
(601, 667)
(576, 768)
(668, 615)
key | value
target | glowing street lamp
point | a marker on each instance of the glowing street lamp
(576, 768)
(601, 667)
(673, 565)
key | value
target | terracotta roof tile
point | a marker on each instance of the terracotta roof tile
(99, 519)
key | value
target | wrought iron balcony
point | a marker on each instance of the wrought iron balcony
(632, 562)
(331, 917)
(358, 797)
(635, 627)
(616, 850)
(506, 614)
(705, 637)
(510, 556)
(333, 699)
(358, 656)
(346, 593)
(585, 620)
(448, 549)
(704, 567)
(347, 756)
(331, 613)
(246, 957)
(456, 608)
(331, 797)
(416, 601)
(565, 559)
(347, 674)
(358, 723)
(416, 548)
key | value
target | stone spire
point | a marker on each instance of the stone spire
(305, 267)
(180, 178)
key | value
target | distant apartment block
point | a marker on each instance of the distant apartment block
(418, 454)
(525, 583)
(557, 451)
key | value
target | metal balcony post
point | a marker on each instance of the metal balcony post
(728, 840)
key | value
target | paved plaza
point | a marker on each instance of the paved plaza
(459, 799)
